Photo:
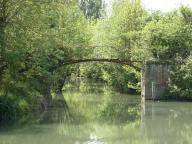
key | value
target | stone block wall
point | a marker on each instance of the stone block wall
(155, 79)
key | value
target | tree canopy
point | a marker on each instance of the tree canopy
(37, 37)
(92, 9)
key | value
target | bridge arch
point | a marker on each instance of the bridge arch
(154, 80)
(101, 60)
(155, 74)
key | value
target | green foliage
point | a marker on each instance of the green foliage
(127, 21)
(36, 38)
(92, 9)
(167, 37)
(181, 81)
(119, 37)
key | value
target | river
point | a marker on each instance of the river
(102, 116)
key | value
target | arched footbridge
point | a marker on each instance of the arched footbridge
(155, 74)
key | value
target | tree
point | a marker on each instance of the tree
(166, 38)
(92, 9)
(119, 35)
(39, 38)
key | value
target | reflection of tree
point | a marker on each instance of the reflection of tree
(119, 112)
(104, 105)
(86, 116)
(110, 118)
(167, 123)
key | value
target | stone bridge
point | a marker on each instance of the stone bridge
(155, 75)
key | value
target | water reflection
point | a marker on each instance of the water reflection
(167, 123)
(106, 117)
(93, 139)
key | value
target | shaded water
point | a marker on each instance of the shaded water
(105, 117)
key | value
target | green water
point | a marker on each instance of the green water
(106, 117)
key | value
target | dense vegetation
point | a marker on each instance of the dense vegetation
(36, 38)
